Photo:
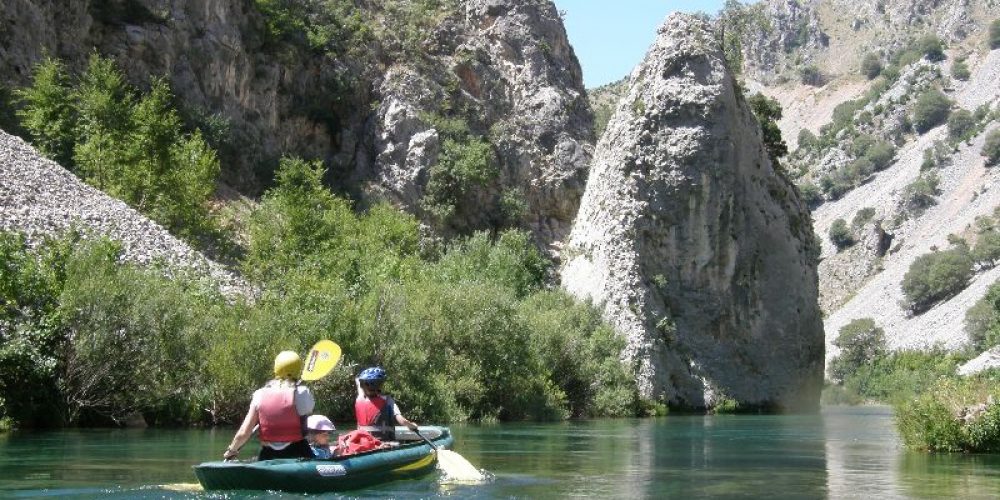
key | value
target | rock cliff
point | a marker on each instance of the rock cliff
(699, 252)
(503, 67)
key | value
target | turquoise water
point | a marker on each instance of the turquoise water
(841, 453)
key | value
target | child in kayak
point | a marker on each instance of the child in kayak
(318, 429)
(377, 413)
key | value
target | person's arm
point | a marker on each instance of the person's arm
(242, 435)
(361, 392)
(401, 420)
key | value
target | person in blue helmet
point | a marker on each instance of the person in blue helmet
(377, 413)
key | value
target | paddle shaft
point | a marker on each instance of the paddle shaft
(428, 441)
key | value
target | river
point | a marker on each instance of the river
(844, 452)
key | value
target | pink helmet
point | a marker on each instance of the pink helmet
(319, 423)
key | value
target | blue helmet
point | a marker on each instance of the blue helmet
(375, 375)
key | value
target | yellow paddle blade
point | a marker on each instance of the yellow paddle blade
(321, 359)
(457, 469)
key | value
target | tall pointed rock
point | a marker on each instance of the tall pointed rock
(698, 250)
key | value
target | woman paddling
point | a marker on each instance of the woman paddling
(375, 412)
(278, 408)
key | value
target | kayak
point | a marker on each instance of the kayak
(410, 459)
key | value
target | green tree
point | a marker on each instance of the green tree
(931, 47)
(994, 35)
(768, 112)
(871, 65)
(840, 234)
(861, 342)
(931, 109)
(49, 112)
(935, 277)
(991, 148)
(104, 102)
(811, 194)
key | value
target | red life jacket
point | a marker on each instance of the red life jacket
(377, 413)
(357, 442)
(279, 420)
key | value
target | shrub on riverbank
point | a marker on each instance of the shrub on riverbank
(466, 330)
(955, 415)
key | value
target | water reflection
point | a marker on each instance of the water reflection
(862, 452)
(842, 453)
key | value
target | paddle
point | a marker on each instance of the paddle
(455, 466)
(321, 359)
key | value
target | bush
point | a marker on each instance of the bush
(994, 35)
(920, 194)
(931, 109)
(931, 47)
(860, 342)
(960, 124)
(466, 162)
(810, 75)
(986, 251)
(840, 234)
(935, 277)
(901, 375)
(957, 414)
(960, 71)
(880, 155)
(806, 139)
(811, 194)
(871, 66)
(982, 321)
(862, 217)
(991, 148)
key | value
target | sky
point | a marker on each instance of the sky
(611, 37)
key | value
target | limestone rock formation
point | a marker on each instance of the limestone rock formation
(698, 251)
(513, 71)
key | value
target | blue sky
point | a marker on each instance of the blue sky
(610, 37)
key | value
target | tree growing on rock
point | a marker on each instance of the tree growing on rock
(768, 112)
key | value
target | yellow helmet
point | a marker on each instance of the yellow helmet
(287, 365)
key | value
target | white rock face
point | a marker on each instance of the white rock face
(684, 221)
(39, 198)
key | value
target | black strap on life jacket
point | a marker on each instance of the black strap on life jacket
(385, 423)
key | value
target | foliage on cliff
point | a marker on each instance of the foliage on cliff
(130, 145)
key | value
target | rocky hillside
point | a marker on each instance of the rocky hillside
(38, 198)
(854, 79)
(393, 96)
(698, 250)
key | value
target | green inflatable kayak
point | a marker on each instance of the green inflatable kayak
(408, 460)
